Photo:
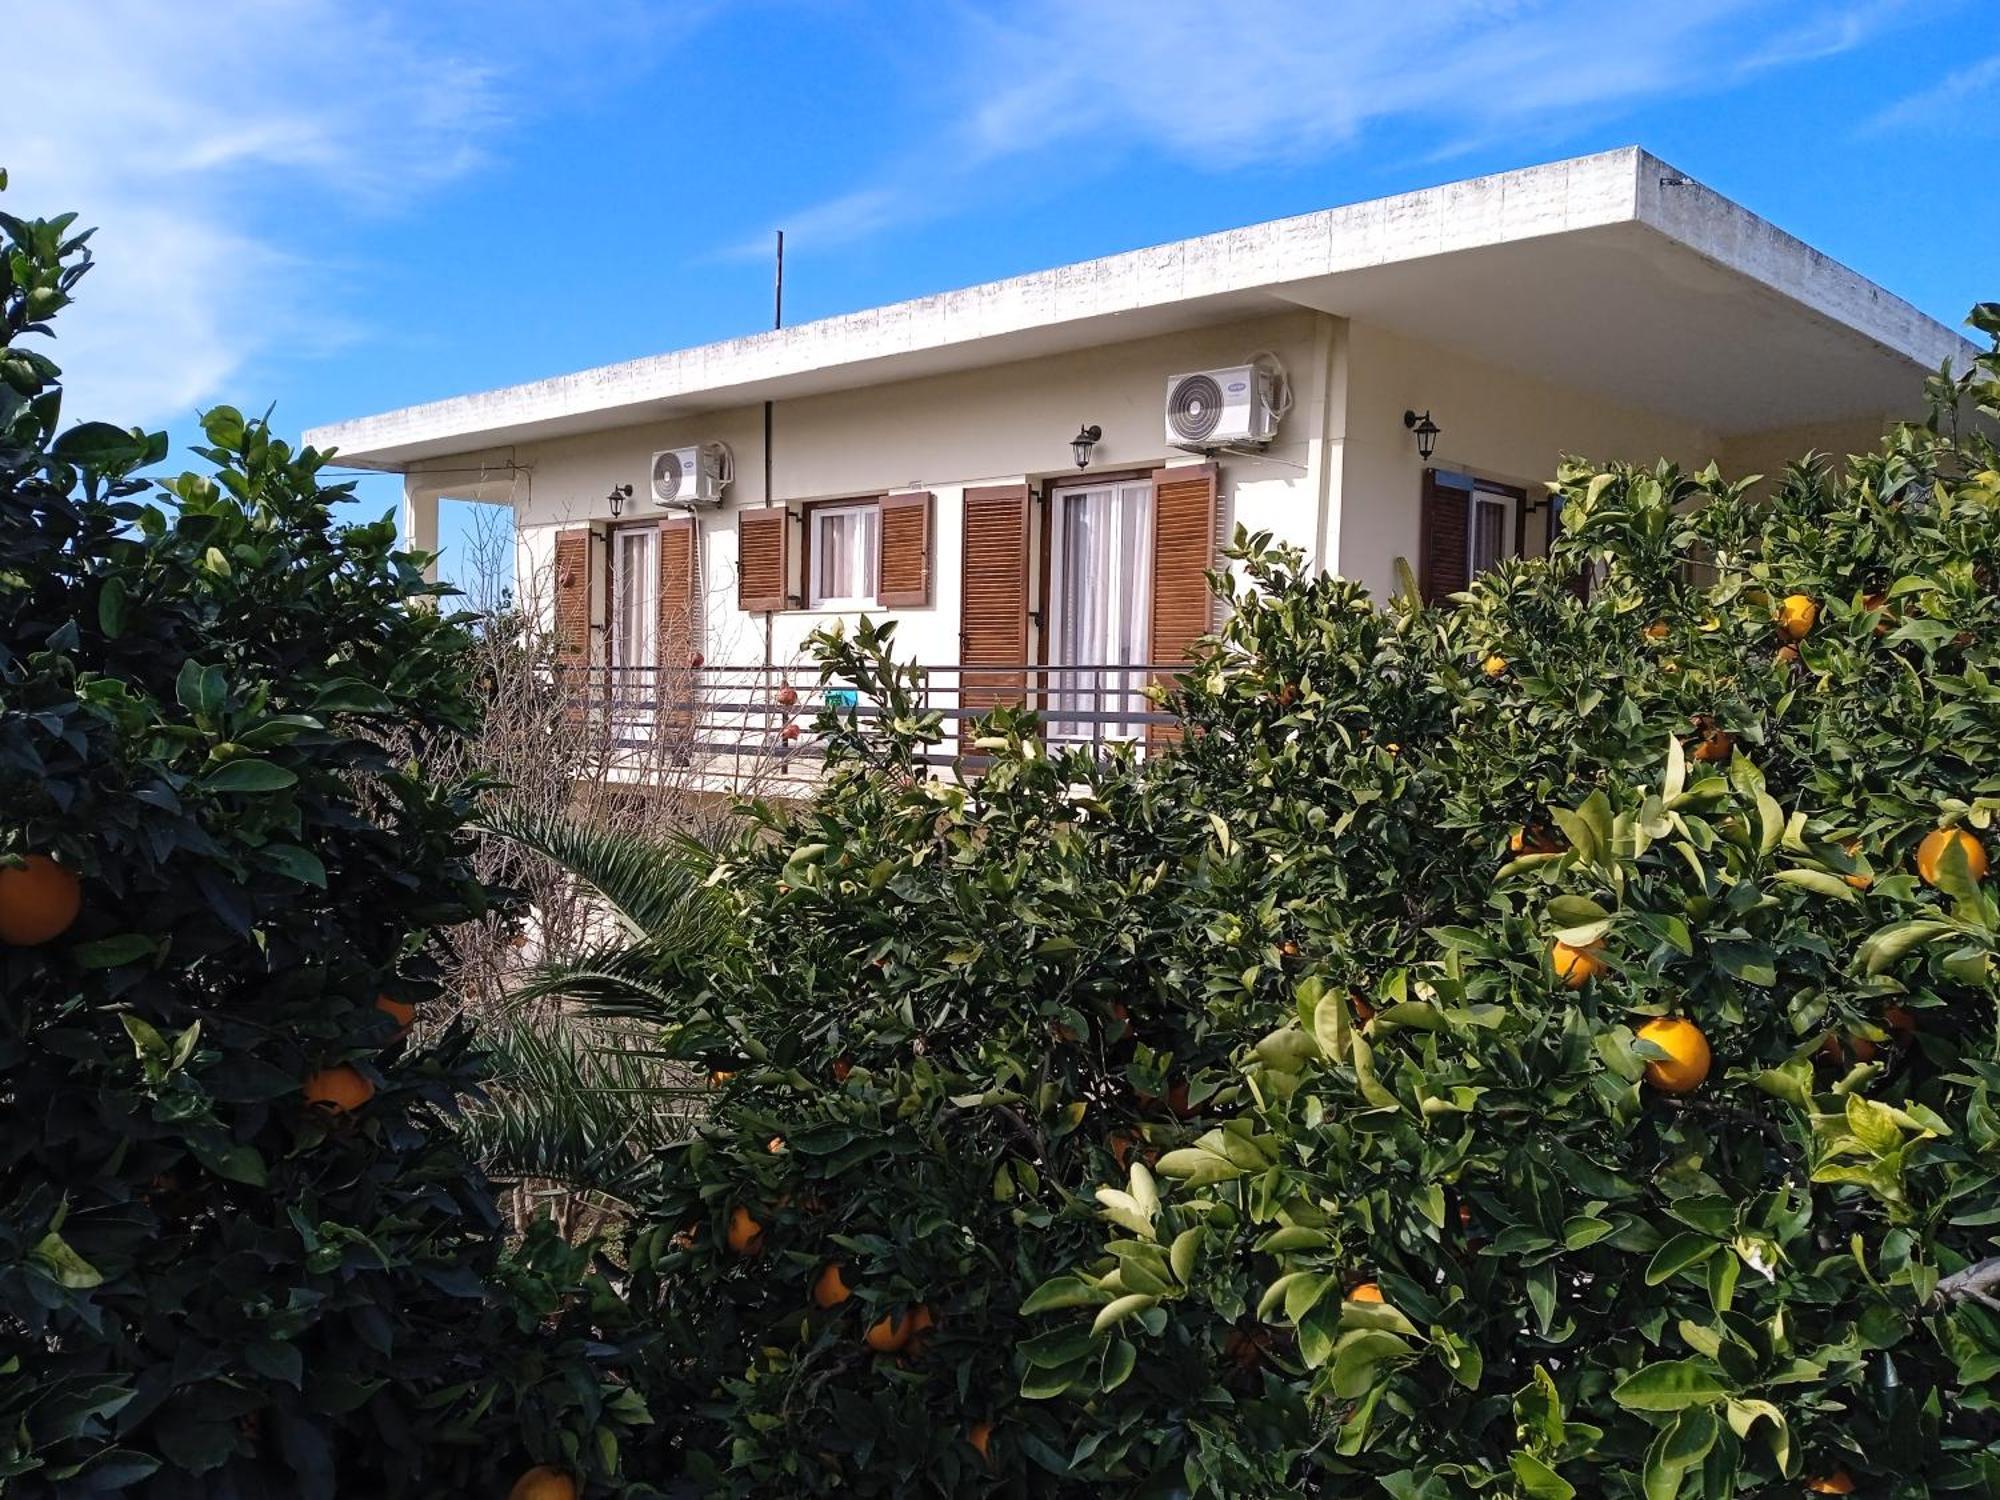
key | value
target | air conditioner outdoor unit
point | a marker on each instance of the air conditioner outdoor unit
(1208, 409)
(687, 477)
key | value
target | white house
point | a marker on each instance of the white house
(915, 460)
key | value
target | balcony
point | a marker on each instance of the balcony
(743, 729)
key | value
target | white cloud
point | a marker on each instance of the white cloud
(1256, 82)
(209, 142)
(1958, 101)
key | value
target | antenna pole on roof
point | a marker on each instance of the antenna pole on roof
(777, 321)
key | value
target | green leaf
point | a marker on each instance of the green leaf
(1061, 1292)
(111, 607)
(1883, 949)
(1538, 1480)
(249, 775)
(1670, 1385)
(110, 952)
(350, 695)
(1820, 882)
(1115, 1312)
(298, 864)
(1357, 1356)
(1677, 1254)
(71, 1270)
(99, 445)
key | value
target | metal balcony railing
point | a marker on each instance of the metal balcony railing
(708, 713)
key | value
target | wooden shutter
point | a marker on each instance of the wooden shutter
(763, 563)
(903, 551)
(1183, 552)
(993, 598)
(572, 598)
(679, 629)
(1443, 546)
(680, 565)
(1184, 524)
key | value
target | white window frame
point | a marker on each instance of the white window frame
(1098, 687)
(816, 522)
(635, 609)
(1502, 501)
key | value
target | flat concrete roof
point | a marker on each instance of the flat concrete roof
(1615, 273)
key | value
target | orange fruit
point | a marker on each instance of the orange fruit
(1839, 1482)
(1931, 852)
(1687, 1060)
(1363, 1011)
(890, 1333)
(1575, 966)
(1120, 1143)
(1860, 879)
(831, 1289)
(685, 1240)
(775, 1144)
(1714, 745)
(1902, 1023)
(38, 901)
(543, 1482)
(921, 1323)
(718, 1078)
(401, 1012)
(1657, 631)
(1534, 838)
(842, 1066)
(1836, 1049)
(1796, 615)
(980, 1435)
(745, 1235)
(1494, 665)
(1177, 1099)
(1787, 654)
(338, 1090)
(1367, 1291)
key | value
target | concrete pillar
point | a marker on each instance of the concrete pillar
(420, 520)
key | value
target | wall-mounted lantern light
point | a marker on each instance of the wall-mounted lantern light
(620, 493)
(1426, 431)
(1086, 439)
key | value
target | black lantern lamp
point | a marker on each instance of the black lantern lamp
(1426, 431)
(620, 493)
(1086, 439)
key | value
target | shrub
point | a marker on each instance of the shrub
(1401, 1195)
(1505, 1230)
(239, 1252)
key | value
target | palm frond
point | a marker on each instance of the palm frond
(656, 887)
(579, 1102)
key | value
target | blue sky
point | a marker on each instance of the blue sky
(343, 206)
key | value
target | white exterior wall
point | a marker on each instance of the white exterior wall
(1495, 423)
(1343, 481)
(998, 425)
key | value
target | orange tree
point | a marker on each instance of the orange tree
(943, 1014)
(240, 1253)
(1627, 1121)
(1539, 1044)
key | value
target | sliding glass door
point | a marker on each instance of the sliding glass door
(1100, 566)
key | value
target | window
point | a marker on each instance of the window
(1101, 547)
(840, 555)
(1491, 531)
(635, 623)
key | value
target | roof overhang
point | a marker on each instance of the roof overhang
(1612, 273)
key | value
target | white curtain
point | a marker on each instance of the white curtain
(846, 555)
(1106, 548)
(1489, 533)
(635, 624)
